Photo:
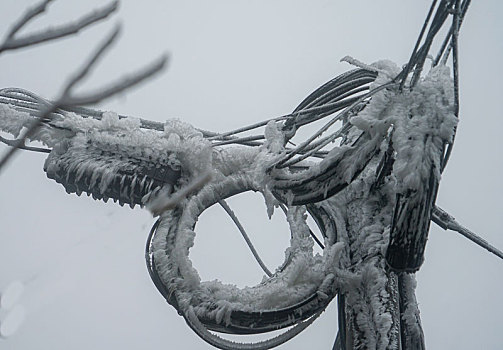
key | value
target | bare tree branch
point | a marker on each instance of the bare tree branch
(81, 73)
(12, 43)
(30, 13)
(66, 100)
(119, 86)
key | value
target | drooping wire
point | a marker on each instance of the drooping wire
(234, 218)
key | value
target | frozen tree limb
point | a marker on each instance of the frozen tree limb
(121, 85)
(94, 58)
(30, 13)
(12, 43)
(67, 100)
(447, 222)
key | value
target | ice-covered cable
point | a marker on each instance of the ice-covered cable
(316, 239)
(234, 218)
(447, 222)
(298, 149)
(224, 344)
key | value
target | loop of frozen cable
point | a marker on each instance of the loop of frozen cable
(239, 311)
(303, 145)
(241, 229)
(224, 344)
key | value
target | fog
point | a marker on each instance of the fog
(232, 63)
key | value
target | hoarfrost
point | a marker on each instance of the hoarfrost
(12, 121)
(421, 120)
(418, 122)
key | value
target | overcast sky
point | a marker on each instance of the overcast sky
(235, 62)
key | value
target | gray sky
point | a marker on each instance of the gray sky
(234, 62)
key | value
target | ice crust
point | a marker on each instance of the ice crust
(418, 121)
(422, 120)
(302, 276)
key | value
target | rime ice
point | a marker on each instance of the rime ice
(363, 211)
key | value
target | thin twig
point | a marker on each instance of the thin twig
(67, 100)
(234, 218)
(93, 59)
(30, 13)
(50, 34)
(124, 83)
